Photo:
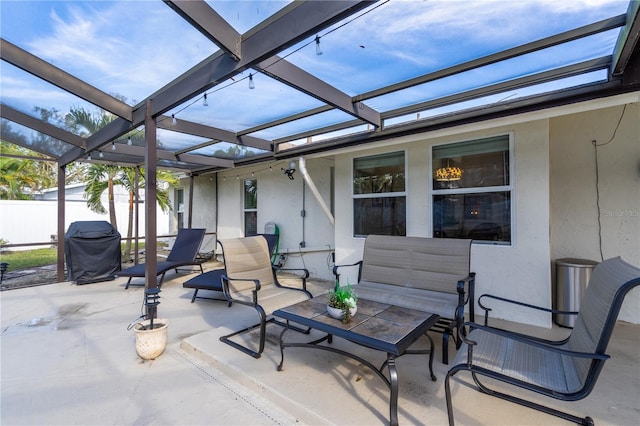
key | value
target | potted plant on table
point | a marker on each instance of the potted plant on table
(342, 302)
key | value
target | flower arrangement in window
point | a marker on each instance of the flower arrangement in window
(342, 302)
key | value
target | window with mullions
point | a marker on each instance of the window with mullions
(379, 195)
(472, 190)
(250, 189)
(180, 207)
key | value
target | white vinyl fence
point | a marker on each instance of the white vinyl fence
(24, 222)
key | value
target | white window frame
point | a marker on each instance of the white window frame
(478, 190)
(404, 193)
(246, 210)
(179, 207)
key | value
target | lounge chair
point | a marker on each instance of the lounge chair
(566, 370)
(207, 250)
(250, 279)
(212, 280)
(183, 253)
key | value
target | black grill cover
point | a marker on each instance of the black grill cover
(92, 250)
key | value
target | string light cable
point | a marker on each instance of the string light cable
(253, 174)
(314, 40)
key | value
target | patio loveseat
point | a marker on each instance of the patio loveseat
(426, 274)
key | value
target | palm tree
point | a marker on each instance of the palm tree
(14, 179)
(98, 176)
(22, 173)
(127, 179)
(101, 177)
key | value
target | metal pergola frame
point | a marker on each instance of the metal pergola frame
(259, 49)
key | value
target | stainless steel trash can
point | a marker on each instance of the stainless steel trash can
(572, 277)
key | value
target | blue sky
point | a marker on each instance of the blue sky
(133, 48)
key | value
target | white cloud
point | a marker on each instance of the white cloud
(123, 47)
(414, 26)
(133, 48)
(77, 42)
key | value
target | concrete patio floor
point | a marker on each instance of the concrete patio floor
(68, 358)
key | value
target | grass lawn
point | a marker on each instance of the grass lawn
(26, 259)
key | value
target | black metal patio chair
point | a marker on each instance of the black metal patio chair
(566, 370)
(183, 253)
(251, 280)
(211, 281)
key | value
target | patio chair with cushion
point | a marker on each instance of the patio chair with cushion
(566, 370)
(212, 280)
(183, 253)
(251, 280)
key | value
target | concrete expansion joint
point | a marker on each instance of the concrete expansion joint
(219, 378)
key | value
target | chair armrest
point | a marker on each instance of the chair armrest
(358, 264)
(466, 291)
(525, 336)
(225, 286)
(304, 276)
(515, 302)
(528, 340)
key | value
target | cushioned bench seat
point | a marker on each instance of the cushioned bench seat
(435, 302)
(426, 274)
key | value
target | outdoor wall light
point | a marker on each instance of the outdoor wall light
(204, 100)
(129, 142)
(291, 170)
(252, 85)
(318, 48)
(113, 146)
(173, 119)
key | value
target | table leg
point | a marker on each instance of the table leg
(393, 385)
(284, 330)
(433, 376)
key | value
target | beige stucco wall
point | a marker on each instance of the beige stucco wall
(554, 200)
(204, 208)
(575, 231)
(520, 271)
(280, 200)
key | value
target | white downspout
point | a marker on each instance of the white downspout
(314, 190)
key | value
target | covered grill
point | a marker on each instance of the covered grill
(92, 251)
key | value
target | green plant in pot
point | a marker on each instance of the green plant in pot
(342, 302)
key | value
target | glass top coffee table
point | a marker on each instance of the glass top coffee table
(377, 326)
